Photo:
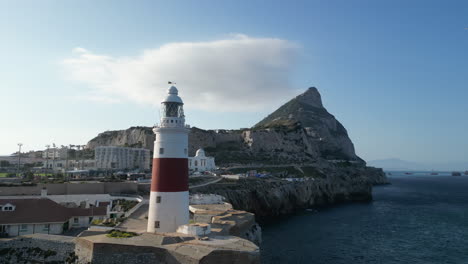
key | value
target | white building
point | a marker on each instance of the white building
(29, 216)
(201, 162)
(63, 165)
(55, 153)
(112, 157)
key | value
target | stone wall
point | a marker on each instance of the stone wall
(73, 188)
(37, 248)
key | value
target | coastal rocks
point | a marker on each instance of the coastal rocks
(225, 221)
(37, 248)
(274, 197)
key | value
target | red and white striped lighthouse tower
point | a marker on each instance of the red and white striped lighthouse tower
(169, 199)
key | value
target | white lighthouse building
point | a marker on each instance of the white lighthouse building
(169, 199)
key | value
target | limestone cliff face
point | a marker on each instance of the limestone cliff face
(320, 126)
(132, 137)
(301, 131)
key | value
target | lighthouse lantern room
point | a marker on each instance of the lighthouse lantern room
(169, 198)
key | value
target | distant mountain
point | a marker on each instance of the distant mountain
(398, 164)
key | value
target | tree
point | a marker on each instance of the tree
(29, 176)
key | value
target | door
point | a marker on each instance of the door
(3, 230)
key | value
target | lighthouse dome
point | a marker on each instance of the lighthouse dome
(172, 96)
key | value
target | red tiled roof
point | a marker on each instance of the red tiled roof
(43, 211)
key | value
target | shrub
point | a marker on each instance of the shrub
(120, 234)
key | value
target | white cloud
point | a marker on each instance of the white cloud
(239, 73)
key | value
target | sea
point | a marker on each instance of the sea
(418, 218)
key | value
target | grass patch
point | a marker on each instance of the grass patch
(121, 234)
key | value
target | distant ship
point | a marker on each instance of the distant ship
(408, 173)
(434, 173)
(456, 173)
(466, 173)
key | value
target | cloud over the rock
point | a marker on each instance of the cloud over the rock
(239, 73)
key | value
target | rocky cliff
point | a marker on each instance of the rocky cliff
(307, 111)
(300, 131)
(301, 140)
(278, 196)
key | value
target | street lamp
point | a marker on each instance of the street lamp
(47, 157)
(19, 158)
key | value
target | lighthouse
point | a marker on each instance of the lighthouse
(169, 198)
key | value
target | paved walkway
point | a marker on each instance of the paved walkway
(137, 221)
(206, 183)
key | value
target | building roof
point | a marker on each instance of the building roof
(43, 211)
(200, 153)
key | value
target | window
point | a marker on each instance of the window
(158, 199)
(161, 150)
(196, 163)
(185, 151)
(24, 228)
(46, 227)
(75, 220)
(156, 224)
(7, 208)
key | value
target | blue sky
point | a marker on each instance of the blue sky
(395, 73)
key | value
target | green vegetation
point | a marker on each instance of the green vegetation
(121, 234)
(125, 204)
(4, 163)
(312, 172)
(104, 223)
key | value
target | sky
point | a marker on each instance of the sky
(395, 73)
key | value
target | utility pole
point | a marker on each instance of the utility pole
(19, 159)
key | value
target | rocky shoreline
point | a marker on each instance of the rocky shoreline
(274, 197)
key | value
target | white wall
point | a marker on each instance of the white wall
(55, 229)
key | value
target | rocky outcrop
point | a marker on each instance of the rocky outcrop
(142, 137)
(320, 126)
(273, 197)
